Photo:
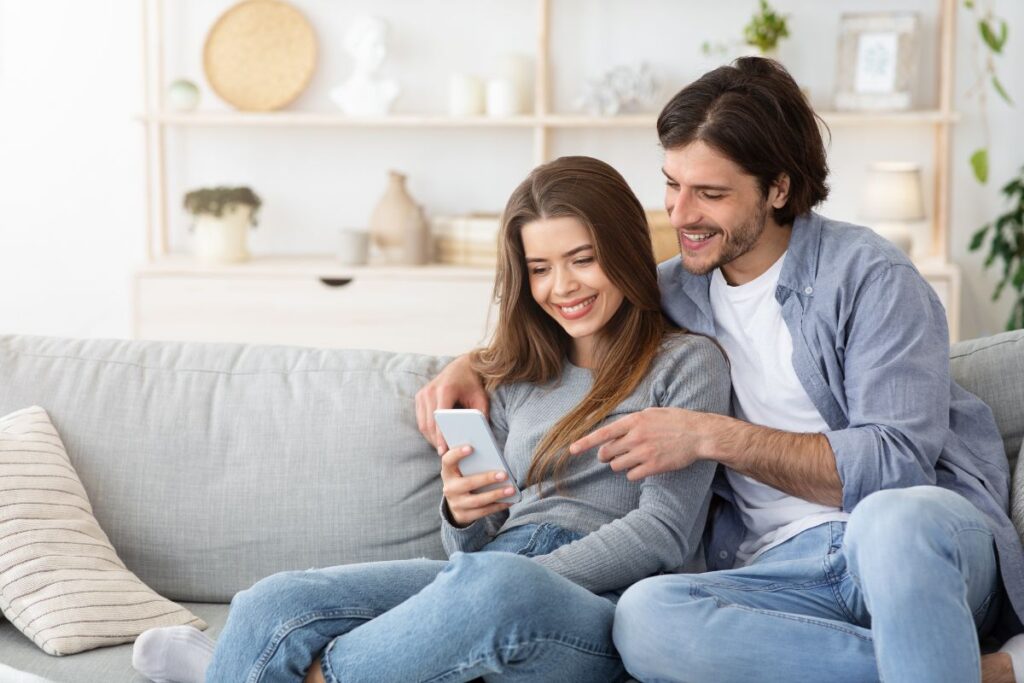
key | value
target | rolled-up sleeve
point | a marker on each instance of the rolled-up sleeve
(896, 386)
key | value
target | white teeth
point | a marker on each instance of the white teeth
(578, 307)
(699, 238)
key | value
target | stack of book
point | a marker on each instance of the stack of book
(470, 240)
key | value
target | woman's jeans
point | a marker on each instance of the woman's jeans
(494, 614)
(899, 594)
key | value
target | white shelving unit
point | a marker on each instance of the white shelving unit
(161, 283)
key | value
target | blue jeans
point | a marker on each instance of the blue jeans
(494, 614)
(898, 593)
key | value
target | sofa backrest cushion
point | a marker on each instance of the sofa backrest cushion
(992, 368)
(211, 466)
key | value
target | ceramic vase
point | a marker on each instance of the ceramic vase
(222, 239)
(398, 230)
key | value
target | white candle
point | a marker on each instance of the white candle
(502, 98)
(465, 95)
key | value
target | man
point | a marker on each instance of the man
(860, 531)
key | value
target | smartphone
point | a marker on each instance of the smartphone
(468, 426)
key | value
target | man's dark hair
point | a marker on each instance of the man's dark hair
(753, 112)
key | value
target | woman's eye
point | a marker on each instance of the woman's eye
(586, 260)
(537, 271)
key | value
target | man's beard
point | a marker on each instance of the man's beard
(743, 240)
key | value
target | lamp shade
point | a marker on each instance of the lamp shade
(892, 192)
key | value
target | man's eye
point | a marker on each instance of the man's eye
(713, 196)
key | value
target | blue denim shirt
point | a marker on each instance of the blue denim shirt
(871, 348)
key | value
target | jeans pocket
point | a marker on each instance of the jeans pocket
(547, 538)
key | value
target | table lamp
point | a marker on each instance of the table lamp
(892, 200)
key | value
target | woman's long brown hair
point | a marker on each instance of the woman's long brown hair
(529, 346)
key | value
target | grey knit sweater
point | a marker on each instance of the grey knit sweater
(633, 529)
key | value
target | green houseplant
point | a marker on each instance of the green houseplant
(221, 217)
(1005, 233)
(1006, 242)
(766, 29)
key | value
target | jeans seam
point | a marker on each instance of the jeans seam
(833, 583)
(289, 627)
(579, 646)
(796, 617)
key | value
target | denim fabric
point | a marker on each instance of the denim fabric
(899, 593)
(871, 348)
(494, 614)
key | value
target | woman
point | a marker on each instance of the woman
(580, 340)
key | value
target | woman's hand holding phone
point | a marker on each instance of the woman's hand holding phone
(465, 506)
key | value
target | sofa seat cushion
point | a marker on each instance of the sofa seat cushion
(105, 665)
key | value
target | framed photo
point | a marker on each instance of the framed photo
(877, 66)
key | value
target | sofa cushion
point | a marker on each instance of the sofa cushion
(211, 466)
(106, 665)
(992, 368)
(61, 582)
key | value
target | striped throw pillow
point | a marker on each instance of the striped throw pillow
(61, 582)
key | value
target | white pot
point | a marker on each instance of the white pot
(222, 239)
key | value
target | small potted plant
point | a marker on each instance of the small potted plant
(765, 30)
(221, 216)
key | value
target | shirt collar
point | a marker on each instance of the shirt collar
(801, 266)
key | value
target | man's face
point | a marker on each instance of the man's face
(717, 209)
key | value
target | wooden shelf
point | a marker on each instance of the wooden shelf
(321, 120)
(313, 265)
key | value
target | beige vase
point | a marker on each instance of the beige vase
(398, 229)
(222, 239)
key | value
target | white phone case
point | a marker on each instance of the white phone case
(468, 426)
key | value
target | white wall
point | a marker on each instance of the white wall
(71, 169)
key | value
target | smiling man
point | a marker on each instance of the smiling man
(860, 529)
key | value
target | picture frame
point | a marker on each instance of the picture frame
(878, 61)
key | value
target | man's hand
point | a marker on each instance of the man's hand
(659, 440)
(456, 384)
(651, 441)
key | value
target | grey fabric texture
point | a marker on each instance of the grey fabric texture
(992, 368)
(211, 466)
(1017, 495)
(105, 665)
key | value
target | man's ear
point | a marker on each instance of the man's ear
(778, 193)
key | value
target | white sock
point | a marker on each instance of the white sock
(173, 654)
(1015, 648)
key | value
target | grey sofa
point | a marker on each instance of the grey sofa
(211, 466)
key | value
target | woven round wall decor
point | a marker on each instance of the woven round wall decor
(260, 55)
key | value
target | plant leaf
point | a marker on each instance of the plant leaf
(1001, 90)
(1018, 278)
(989, 37)
(969, 4)
(979, 162)
(978, 238)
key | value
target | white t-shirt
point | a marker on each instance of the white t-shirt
(767, 392)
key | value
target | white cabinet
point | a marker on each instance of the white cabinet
(312, 302)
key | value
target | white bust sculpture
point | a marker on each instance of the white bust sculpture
(362, 94)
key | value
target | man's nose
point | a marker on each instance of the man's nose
(682, 211)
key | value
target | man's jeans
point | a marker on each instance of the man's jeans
(495, 614)
(901, 598)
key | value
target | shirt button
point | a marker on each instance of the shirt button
(723, 555)
(809, 290)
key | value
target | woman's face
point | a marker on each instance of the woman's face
(567, 282)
